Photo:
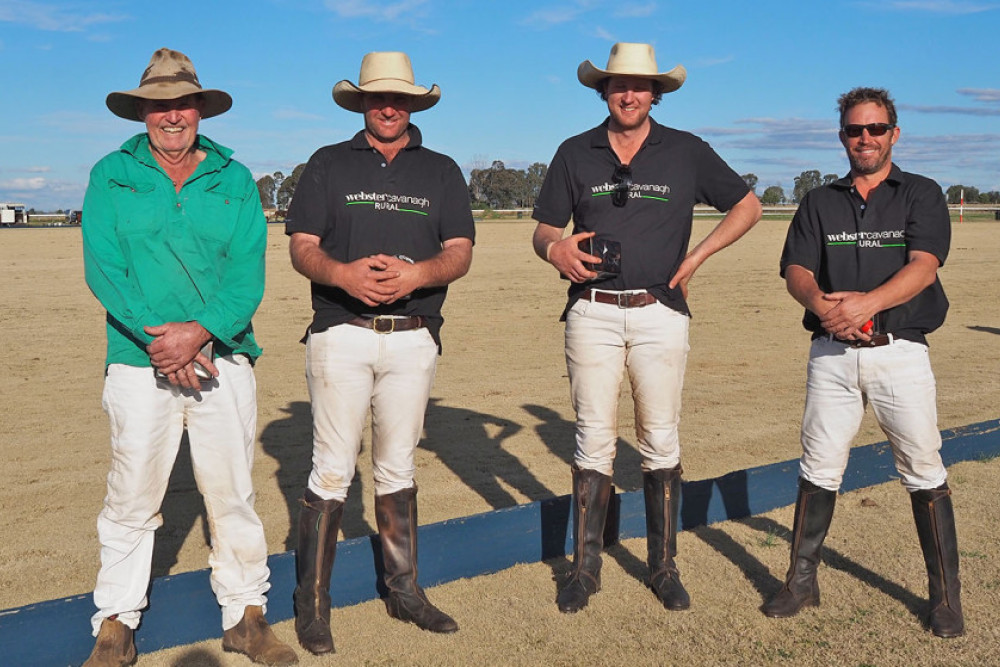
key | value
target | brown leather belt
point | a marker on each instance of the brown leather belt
(384, 324)
(620, 299)
(878, 340)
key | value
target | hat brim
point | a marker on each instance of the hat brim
(351, 97)
(591, 76)
(122, 103)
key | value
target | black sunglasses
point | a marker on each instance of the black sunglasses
(874, 129)
(622, 179)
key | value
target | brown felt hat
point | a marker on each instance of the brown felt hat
(631, 60)
(170, 75)
(385, 72)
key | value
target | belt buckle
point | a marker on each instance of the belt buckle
(377, 324)
(623, 299)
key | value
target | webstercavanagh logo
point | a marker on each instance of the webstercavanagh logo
(385, 201)
(895, 238)
(637, 191)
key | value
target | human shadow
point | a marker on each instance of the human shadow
(182, 506)
(733, 491)
(289, 441)
(198, 657)
(559, 435)
(470, 444)
(992, 330)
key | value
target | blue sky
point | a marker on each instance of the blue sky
(762, 84)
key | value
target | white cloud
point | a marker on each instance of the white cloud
(380, 11)
(54, 17)
(547, 17)
(776, 134)
(962, 111)
(981, 94)
(636, 10)
(601, 33)
(24, 184)
(954, 7)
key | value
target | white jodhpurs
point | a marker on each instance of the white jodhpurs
(651, 343)
(897, 381)
(148, 418)
(350, 369)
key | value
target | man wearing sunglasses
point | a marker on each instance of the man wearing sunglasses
(862, 256)
(630, 185)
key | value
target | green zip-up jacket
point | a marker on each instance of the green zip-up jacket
(152, 255)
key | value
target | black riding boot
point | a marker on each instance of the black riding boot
(813, 513)
(935, 519)
(591, 493)
(396, 514)
(662, 490)
(319, 525)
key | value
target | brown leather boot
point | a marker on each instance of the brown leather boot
(114, 646)
(319, 525)
(935, 519)
(396, 515)
(591, 493)
(662, 492)
(813, 514)
(253, 637)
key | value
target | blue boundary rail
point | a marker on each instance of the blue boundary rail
(183, 609)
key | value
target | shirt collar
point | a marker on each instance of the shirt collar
(216, 155)
(360, 143)
(895, 177)
(599, 137)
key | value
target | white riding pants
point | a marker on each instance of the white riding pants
(148, 418)
(350, 369)
(651, 343)
(898, 382)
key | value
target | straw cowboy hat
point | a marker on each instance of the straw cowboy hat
(170, 75)
(385, 72)
(631, 60)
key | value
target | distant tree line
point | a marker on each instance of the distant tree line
(495, 187)
(807, 180)
(972, 195)
(276, 189)
(498, 187)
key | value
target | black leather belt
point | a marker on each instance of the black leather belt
(384, 324)
(620, 299)
(877, 340)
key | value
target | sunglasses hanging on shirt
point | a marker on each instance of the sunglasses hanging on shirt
(622, 178)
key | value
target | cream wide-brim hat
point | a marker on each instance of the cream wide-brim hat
(170, 75)
(385, 72)
(631, 60)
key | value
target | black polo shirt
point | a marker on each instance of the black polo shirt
(854, 245)
(361, 205)
(671, 172)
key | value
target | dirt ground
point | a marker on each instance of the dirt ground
(499, 433)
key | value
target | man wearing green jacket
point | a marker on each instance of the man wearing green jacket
(174, 241)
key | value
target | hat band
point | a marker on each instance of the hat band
(388, 78)
(173, 78)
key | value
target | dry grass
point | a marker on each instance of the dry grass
(499, 432)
